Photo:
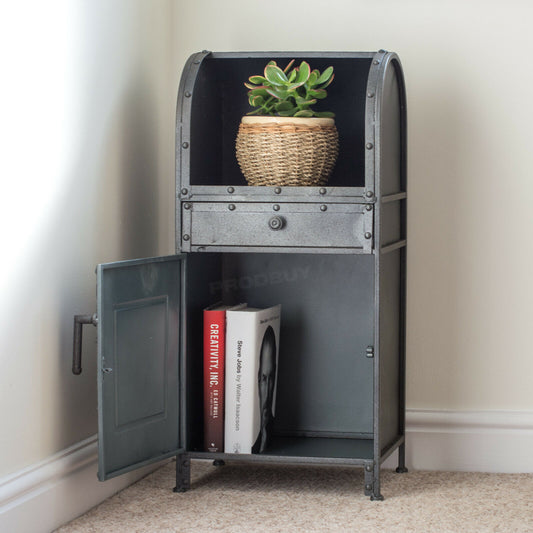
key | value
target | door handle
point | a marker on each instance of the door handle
(79, 320)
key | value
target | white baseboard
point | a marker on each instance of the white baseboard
(46, 495)
(42, 497)
(472, 441)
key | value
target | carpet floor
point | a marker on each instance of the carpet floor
(279, 498)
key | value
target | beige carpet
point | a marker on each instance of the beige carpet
(279, 498)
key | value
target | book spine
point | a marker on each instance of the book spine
(241, 368)
(214, 359)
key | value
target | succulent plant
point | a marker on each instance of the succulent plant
(289, 93)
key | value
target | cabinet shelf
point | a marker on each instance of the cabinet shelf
(325, 193)
(355, 451)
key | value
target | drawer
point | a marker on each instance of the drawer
(289, 226)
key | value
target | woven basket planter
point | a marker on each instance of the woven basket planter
(287, 151)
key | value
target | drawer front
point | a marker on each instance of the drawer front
(213, 225)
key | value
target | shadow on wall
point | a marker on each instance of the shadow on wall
(106, 210)
(140, 171)
(128, 193)
(126, 228)
(89, 194)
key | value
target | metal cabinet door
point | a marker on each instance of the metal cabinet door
(139, 319)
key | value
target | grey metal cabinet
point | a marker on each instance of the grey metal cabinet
(337, 267)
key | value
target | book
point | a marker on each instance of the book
(214, 354)
(252, 351)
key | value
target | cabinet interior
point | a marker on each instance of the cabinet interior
(324, 401)
(219, 100)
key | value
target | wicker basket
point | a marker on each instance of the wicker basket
(287, 151)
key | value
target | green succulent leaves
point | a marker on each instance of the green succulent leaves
(289, 92)
(276, 76)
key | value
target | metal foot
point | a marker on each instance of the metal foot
(218, 462)
(372, 483)
(402, 469)
(183, 473)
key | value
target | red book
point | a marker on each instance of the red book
(214, 359)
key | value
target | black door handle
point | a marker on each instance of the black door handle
(79, 320)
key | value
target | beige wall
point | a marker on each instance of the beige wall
(88, 177)
(87, 140)
(470, 255)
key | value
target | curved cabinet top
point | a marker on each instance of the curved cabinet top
(367, 96)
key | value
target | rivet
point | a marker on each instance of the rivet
(185, 145)
(369, 146)
(275, 207)
(369, 194)
(184, 191)
(368, 208)
(187, 94)
(196, 61)
(186, 206)
(186, 237)
(368, 235)
(368, 468)
(323, 208)
(185, 462)
(368, 487)
(370, 95)
(277, 190)
(376, 62)
(231, 207)
(230, 190)
(322, 191)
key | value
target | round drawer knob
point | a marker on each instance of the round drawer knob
(276, 223)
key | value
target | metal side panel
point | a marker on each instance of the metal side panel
(138, 363)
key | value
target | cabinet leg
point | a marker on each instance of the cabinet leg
(376, 491)
(369, 480)
(401, 460)
(183, 473)
(372, 483)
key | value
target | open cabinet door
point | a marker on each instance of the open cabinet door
(139, 320)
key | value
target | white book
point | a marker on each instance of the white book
(252, 350)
